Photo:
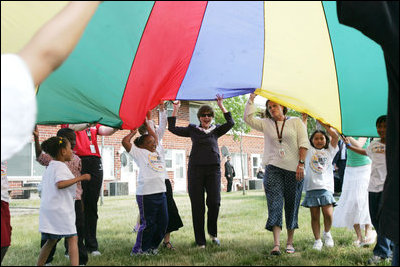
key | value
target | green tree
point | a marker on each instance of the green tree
(236, 106)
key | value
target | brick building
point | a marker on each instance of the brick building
(119, 167)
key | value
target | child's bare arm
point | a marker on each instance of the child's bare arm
(151, 131)
(66, 183)
(332, 133)
(126, 141)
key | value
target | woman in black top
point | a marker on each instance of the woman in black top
(204, 170)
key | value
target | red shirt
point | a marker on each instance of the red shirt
(84, 139)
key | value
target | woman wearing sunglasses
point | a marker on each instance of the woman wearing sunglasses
(204, 170)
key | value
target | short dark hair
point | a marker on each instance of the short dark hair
(326, 138)
(203, 109)
(380, 120)
(53, 145)
(67, 133)
(139, 141)
(285, 110)
(143, 129)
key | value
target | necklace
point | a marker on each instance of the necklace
(281, 149)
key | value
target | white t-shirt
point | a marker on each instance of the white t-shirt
(376, 151)
(319, 169)
(152, 171)
(18, 105)
(294, 136)
(4, 182)
(57, 211)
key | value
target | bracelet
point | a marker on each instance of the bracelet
(348, 145)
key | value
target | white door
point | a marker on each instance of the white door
(129, 171)
(179, 167)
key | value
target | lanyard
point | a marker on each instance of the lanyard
(89, 134)
(277, 131)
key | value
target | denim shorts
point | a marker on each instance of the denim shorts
(46, 236)
(318, 198)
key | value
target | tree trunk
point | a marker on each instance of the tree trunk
(241, 162)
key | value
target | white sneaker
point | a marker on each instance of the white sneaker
(357, 243)
(318, 245)
(48, 264)
(96, 253)
(328, 240)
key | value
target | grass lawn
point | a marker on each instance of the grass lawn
(244, 240)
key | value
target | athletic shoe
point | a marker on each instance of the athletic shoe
(357, 243)
(96, 253)
(216, 241)
(375, 260)
(318, 245)
(328, 240)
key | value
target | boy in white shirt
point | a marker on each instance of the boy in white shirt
(376, 151)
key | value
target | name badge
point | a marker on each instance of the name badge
(92, 149)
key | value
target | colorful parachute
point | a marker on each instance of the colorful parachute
(134, 54)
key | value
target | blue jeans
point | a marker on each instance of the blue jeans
(395, 260)
(153, 221)
(383, 245)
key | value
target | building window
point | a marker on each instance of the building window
(255, 163)
(193, 109)
(176, 162)
(168, 159)
(107, 158)
(24, 164)
(169, 108)
(237, 164)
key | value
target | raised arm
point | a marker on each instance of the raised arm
(332, 133)
(249, 112)
(53, 43)
(162, 121)
(151, 132)
(180, 131)
(105, 130)
(38, 148)
(354, 148)
(79, 127)
(357, 143)
(126, 141)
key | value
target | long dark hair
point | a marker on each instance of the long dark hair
(285, 110)
(326, 138)
(53, 145)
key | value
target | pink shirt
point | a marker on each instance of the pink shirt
(75, 166)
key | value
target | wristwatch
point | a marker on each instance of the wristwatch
(301, 161)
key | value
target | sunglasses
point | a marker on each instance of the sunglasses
(206, 115)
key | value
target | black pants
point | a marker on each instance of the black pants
(201, 179)
(341, 164)
(79, 222)
(229, 185)
(90, 197)
(174, 219)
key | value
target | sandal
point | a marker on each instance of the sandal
(290, 249)
(275, 252)
(168, 245)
